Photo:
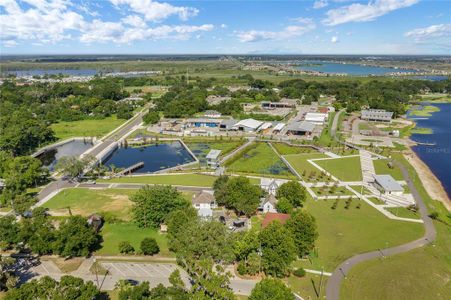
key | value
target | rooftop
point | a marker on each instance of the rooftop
(251, 123)
(388, 183)
(301, 126)
(204, 197)
(271, 217)
(213, 154)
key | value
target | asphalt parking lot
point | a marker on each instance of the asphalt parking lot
(141, 270)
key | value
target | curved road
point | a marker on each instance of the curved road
(334, 282)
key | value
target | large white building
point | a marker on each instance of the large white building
(248, 125)
(316, 118)
(379, 115)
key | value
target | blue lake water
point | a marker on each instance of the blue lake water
(41, 72)
(73, 148)
(437, 157)
(155, 157)
(350, 69)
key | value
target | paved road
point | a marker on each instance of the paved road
(108, 141)
(334, 282)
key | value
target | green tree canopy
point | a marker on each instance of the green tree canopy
(152, 204)
(271, 289)
(241, 195)
(293, 191)
(303, 227)
(278, 249)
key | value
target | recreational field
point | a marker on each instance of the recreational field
(113, 234)
(308, 286)
(300, 164)
(285, 149)
(346, 232)
(381, 167)
(345, 169)
(420, 274)
(258, 158)
(182, 179)
(83, 201)
(88, 128)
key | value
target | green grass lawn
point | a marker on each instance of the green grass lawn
(358, 189)
(329, 191)
(381, 167)
(258, 159)
(376, 201)
(83, 201)
(403, 212)
(88, 128)
(182, 179)
(420, 274)
(285, 149)
(346, 232)
(300, 164)
(113, 234)
(345, 169)
(308, 286)
(421, 130)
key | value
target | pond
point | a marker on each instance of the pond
(155, 157)
(72, 148)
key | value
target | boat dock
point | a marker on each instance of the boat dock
(131, 169)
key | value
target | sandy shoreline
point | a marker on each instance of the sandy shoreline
(430, 182)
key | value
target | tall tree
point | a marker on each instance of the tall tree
(72, 166)
(293, 191)
(303, 227)
(241, 195)
(152, 204)
(271, 289)
(278, 249)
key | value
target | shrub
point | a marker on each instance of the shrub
(241, 268)
(434, 215)
(299, 272)
(126, 248)
(149, 246)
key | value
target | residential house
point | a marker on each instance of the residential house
(204, 202)
(270, 185)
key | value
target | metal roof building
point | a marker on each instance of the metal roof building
(300, 128)
(387, 184)
(376, 115)
(248, 125)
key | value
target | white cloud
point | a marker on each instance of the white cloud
(334, 40)
(320, 4)
(134, 21)
(157, 11)
(223, 26)
(285, 33)
(431, 32)
(45, 20)
(358, 12)
(9, 43)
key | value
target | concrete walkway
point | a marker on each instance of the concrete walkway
(334, 282)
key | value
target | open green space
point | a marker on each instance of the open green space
(345, 168)
(376, 201)
(301, 165)
(381, 167)
(361, 189)
(83, 201)
(400, 276)
(332, 191)
(437, 98)
(346, 232)
(115, 233)
(173, 179)
(88, 128)
(403, 212)
(285, 149)
(423, 110)
(308, 286)
(258, 158)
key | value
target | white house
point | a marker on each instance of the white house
(213, 158)
(268, 204)
(248, 125)
(271, 185)
(204, 202)
(388, 185)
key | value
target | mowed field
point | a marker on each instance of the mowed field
(300, 164)
(345, 169)
(381, 167)
(182, 179)
(346, 232)
(86, 128)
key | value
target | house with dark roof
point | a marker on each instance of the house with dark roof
(268, 204)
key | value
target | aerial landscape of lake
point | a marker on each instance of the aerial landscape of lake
(437, 157)
(350, 69)
(72, 148)
(155, 156)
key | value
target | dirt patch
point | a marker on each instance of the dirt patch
(119, 202)
(69, 265)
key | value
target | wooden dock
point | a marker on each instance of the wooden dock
(131, 169)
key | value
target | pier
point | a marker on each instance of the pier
(131, 168)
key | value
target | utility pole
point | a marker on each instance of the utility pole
(95, 270)
(320, 282)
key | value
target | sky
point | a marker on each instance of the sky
(225, 27)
